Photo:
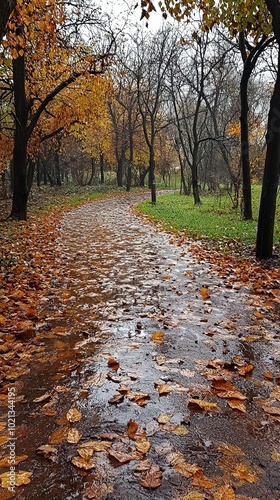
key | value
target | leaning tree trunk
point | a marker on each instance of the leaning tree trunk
(264, 246)
(20, 189)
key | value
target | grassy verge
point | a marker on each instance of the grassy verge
(214, 219)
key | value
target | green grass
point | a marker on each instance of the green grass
(214, 219)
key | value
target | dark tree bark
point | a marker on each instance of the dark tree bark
(264, 244)
(249, 64)
(102, 177)
(6, 8)
(20, 191)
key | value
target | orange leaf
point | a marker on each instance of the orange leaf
(131, 429)
(157, 337)
(204, 292)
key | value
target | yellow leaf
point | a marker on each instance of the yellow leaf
(204, 292)
(21, 477)
(203, 405)
(224, 493)
(141, 443)
(163, 419)
(45, 396)
(96, 445)
(82, 463)
(3, 440)
(6, 460)
(163, 389)
(74, 436)
(194, 495)
(241, 472)
(177, 460)
(275, 455)
(258, 315)
(157, 337)
(73, 415)
(59, 435)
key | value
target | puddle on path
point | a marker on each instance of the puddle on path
(123, 282)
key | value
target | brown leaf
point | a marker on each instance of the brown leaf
(194, 495)
(59, 435)
(229, 449)
(177, 460)
(152, 479)
(116, 399)
(3, 440)
(272, 410)
(200, 404)
(225, 389)
(121, 456)
(48, 451)
(164, 389)
(142, 444)
(144, 466)
(258, 315)
(236, 404)
(202, 481)
(96, 445)
(224, 493)
(113, 363)
(73, 415)
(132, 428)
(82, 463)
(275, 455)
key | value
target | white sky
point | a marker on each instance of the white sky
(123, 9)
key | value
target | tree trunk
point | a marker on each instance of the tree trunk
(143, 174)
(20, 190)
(102, 177)
(92, 174)
(120, 173)
(264, 245)
(245, 158)
(128, 180)
(57, 169)
(195, 187)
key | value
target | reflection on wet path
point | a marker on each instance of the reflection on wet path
(123, 282)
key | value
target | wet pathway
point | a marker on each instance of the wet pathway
(140, 338)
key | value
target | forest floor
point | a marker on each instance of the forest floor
(139, 364)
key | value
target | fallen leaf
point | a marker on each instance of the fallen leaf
(113, 363)
(163, 389)
(157, 337)
(243, 473)
(179, 463)
(236, 404)
(82, 463)
(153, 478)
(3, 440)
(204, 292)
(85, 453)
(48, 451)
(224, 493)
(229, 449)
(96, 445)
(272, 410)
(142, 444)
(122, 457)
(180, 430)
(202, 405)
(6, 460)
(59, 435)
(97, 492)
(141, 398)
(163, 419)
(224, 389)
(74, 436)
(116, 399)
(202, 481)
(258, 315)
(144, 466)
(73, 415)
(131, 428)
(45, 396)
(275, 455)
(194, 495)
(21, 477)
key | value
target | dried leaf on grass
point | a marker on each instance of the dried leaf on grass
(153, 478)
(21, 477)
